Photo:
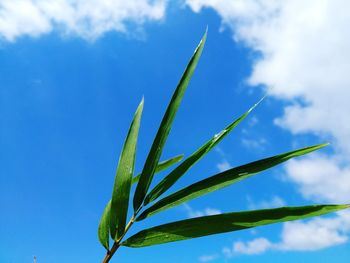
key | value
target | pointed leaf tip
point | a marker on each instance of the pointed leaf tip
(123, 178)
(257, 103)
(222, 179)
(226, 222)
(181, 170)
(164, 129)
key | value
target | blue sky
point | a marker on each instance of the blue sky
(73, 72)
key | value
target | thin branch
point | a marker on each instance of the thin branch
(110, 253)
(116, 244)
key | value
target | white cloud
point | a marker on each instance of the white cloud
(207, 258)
(304, 54)
(256, 246)
(196, 213)
(315, 234)
(304, 59)
(86, 18)
(312, 235)
(321, 178)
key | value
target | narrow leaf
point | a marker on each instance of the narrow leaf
(103, 227)
(223, 179)
(162, 166)
(123, 178)
(164, 129)
(179, 171)
(209, 225)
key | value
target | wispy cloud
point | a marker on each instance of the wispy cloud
(253, 247)
(274, 202)
(89, 19)
(208, 258)
(196, 213)
(254, 144)
(253, 121)
(224, 164)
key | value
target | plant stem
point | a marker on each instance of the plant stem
(110, 253)
(116, 244)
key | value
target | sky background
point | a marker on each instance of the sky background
(73, 72)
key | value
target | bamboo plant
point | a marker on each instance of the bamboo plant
(114, 224)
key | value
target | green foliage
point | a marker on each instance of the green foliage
(113, 222)
(123, 178)
(164, 129)
(162, 166)
(103, 227)
(209, 225)
(179, 171)
(221, 180)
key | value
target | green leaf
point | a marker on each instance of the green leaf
(223, 179)
(162, 166)
(123, 178)
(215, 224)
(103, 227)
(179, 171)
(164, 129)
